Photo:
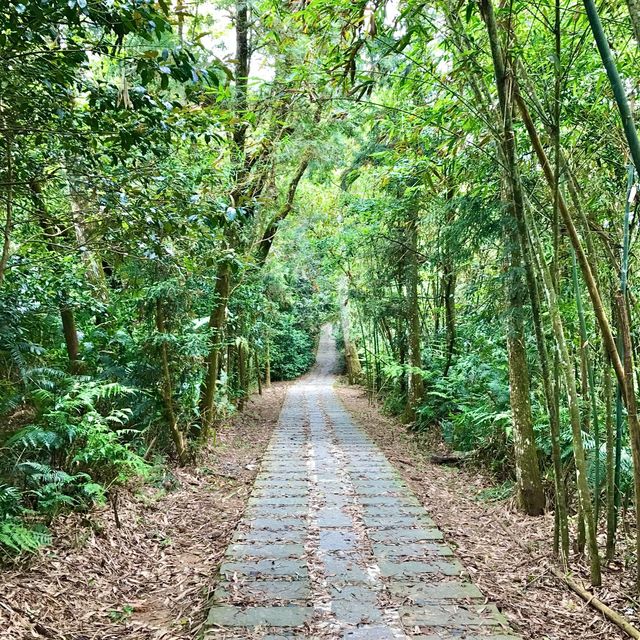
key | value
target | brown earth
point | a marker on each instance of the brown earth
(151, 578)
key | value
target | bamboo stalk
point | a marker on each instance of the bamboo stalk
(618, 619)
(617, 85)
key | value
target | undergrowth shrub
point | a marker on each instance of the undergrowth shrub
(292, 349)
(70, 456)
(470, 406)
(15, 535)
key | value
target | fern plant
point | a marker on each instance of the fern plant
(16, 536)
(77, 449)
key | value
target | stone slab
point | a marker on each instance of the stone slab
(231, 616)
(425, 593)
(355, 605)
(415, 568)
(411, 550)
(403, 501)
(263, 536)
(399, 521)
(262, 590)
(275, 524)
(336, 540)
(265, 480)
(444, 634)
(263, 568)
(275, 500)
(274, 491)
(399, 535)
(273, 551)
(370, 633)
(344, 570)
(261, 510)
(452, 616)
(333, 517)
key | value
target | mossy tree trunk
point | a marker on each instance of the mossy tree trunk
(352, 361)
(416, 383)
(177, 436)
(526, 456)
(217, 323)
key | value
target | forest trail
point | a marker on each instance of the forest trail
(333, 544)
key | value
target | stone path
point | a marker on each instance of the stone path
(334, 545)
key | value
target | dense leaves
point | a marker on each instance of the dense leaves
(450, 183)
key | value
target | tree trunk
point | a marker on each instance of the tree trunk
(634, 14)
(574, 410)
(550, 383)
(611, 489)
(167, 388)
(599, 310)
(530, 492)
(71, 337)
(352, 361)
(416, 383)
(588, 387)
(267, 367)
(217, 323)
(619, 91)
(527, 469)
(632, 415)
(264, 246)
(583, 260)
(67, 314)
(449, 295)
(242, 60)
(256, 360)
(8, 223)
(243, 382)
(79, 204)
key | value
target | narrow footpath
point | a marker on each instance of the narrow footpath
(333, 544)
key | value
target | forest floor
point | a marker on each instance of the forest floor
(506, 553)
(150, 579)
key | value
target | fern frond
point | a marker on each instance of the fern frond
(17, 538)
(43, 473)
(35, 437)
(10, 499)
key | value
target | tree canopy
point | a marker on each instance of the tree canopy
(189, 190)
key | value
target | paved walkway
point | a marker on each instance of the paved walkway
(333, 544)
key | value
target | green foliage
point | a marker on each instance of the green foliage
(17, 538)
(69, 458)
(498, 493)
(123, 192)
(166, 230)
(471, 404)
(292, 349)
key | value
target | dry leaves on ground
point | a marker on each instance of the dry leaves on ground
(506, 553)
(150, 579)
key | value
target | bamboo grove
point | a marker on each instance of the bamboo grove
(486, 259)
(453, 181)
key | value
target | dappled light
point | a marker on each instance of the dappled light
(318, 319)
